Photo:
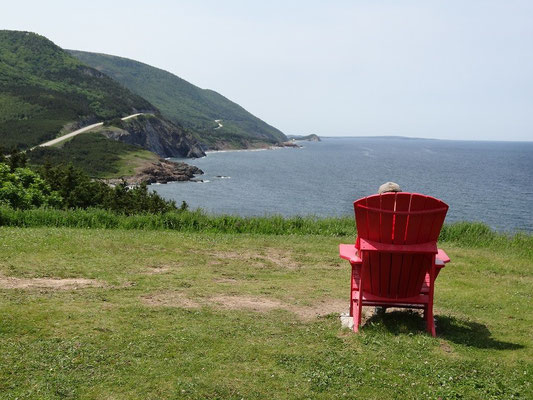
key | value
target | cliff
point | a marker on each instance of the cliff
(157, 135)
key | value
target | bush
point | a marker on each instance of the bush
(68, 187)
(78, 190)
(24, 189)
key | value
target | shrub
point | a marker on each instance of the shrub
(24, 189)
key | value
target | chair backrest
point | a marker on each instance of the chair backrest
(398, 218)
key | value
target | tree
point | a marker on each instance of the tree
(24, 189)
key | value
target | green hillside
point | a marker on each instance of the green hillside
(186, 104)
(43, 88)
(95, 154)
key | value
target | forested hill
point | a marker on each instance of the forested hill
(43, 87)
(218, 122)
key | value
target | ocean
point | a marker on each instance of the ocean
(491, 182)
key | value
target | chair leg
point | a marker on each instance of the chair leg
(430, 322)
(356, 317)
(351, 307)
(351, 295)
(359, 311)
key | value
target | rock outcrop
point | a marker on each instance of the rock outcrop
(289, 144)
(158, 135)
(162, 171)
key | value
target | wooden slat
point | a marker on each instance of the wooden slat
(403, 281)
(385, 273)
(439, 219)
(366, 281)
(375, 272)
(388, 201)
(395, 274)
(427, 221)
(437, 225)
(361, 220)
(400, 220)
(422, 272)
(420, 298)
(413, 223)
(373, 218)
(413, 269)
(416, 275)
(370, 245)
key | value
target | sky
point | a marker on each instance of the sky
(450, 69)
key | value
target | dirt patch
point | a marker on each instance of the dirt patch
(157, 269)
(48, 283)
(225, 280)
(262, 258)
(251, 303)
(445, 347)
(169, 299)
(254, 303)
(281, 259)
(321, 309)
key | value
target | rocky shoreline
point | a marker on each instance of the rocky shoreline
(161, 171)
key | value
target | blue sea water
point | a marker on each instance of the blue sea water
(490, 182)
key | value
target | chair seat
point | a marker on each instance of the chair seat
(371, 300)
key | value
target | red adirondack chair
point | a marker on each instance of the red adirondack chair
(395, 259)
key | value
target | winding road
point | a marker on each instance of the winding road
(77, 132)
(219, 124)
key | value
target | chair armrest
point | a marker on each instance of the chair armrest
(348, 252)
(442, 256)
(369, 245)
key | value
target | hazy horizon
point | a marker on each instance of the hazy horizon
(442, 69)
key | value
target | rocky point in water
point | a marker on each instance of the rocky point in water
(162, 171)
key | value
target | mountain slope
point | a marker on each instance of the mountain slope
(43, 88)
(186, 104)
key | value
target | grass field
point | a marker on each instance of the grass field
(129, 314)
(130, 162)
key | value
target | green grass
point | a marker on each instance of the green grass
(130, 161)
(469, 234)
(172, 321)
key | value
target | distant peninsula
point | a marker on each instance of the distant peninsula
(309, 138)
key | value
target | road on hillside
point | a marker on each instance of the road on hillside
(219, 124)
(77, 132)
